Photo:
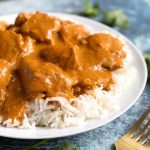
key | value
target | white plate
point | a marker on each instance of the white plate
(128, 99)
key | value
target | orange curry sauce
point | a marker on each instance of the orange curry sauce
(42, 56)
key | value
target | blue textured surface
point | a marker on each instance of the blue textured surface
(138, 12)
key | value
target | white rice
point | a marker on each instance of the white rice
(94, 104)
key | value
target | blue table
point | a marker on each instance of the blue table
(103, 138)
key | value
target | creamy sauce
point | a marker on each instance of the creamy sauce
(42, 56)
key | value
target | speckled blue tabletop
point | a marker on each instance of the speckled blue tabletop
(103, 138)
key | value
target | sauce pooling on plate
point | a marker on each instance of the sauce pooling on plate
(42, 56)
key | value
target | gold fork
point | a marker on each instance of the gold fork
(136, 138)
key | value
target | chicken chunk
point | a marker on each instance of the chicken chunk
(22, 18)
(109, 50)
(41, 77)
(41, 27)
(85, 66)
(58, 52)
(89, 79)
(13, 45)
(10, 44)
(82, 58)
(72, 32)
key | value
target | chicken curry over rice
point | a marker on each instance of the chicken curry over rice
(42, 56)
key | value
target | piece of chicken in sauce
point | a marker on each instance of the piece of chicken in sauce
(41, 27)
(22, 18)
(13, 45)
(72, 33)
(108, 49)
(48, 79)
(57, 52)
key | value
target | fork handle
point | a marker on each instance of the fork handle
(126, 143)
(123, 145)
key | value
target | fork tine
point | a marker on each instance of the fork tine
(145, 138)
(138, 124)
(139, 135)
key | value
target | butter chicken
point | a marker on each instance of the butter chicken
(42, 56)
